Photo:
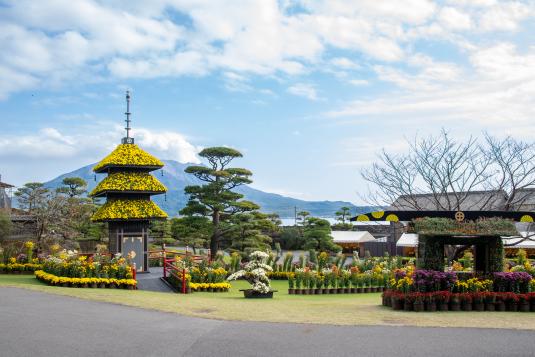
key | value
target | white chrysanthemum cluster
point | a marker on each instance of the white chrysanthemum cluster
(255, 272)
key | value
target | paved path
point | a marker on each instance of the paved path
(151, 281)
(38, 324)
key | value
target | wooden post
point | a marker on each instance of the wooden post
(164, 262)
(183, 281)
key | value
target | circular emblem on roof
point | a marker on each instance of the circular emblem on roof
(459, 216)
(378, 214)
(363, 217)
(526, 218)
(392, 218)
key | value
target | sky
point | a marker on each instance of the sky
(309, 91)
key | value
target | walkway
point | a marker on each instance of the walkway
(39, 324)
(151, 281)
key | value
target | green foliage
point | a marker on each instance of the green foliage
(160, 232)
(302, 217)
(446, 226)
(291, 238)
(215, 198)
(32, 195)
(73, 186)
(318, 236)
(521, 257)
(250, 232)
(343, 214)
(5, 226)
(313, 256)
(193, 231)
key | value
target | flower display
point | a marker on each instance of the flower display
(81, 282)
(255, 272)
(129, 181)
(128, 155)
(205, 286)
(121, 209)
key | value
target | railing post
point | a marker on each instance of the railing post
(164, 263)
(183, 281)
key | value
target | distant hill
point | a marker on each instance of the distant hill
(174, 177)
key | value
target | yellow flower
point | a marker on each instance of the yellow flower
(128, 155)
(129, 181)
(128, 209)
(28, 245)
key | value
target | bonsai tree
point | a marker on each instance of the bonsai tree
(255, 272)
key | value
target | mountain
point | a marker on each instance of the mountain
(173, 176)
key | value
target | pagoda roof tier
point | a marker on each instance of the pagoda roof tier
(129, 182)
(124, 209)
(128, 156)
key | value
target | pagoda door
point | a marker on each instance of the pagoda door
(134, 244)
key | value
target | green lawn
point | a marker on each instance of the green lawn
(350, 309)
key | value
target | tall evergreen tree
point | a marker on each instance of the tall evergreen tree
(215, 198)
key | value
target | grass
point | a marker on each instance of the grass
(350, 309)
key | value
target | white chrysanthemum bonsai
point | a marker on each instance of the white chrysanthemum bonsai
(255, 272)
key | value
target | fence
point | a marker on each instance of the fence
(172, 271)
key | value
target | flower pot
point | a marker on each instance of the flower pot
(65, 285)
(490, 306)
(251, 294)
(418, 306)
(112, 286)
(455, 306)
(325, 291)
(332, 291)
(499, 306)
(443, 306)
(466, 306)
(319, 291)
(130, 287)
(354, 290)
(360, 290)
(291, 291)
(341, 290)
(305, 292)
(347, 290)
(373, 289)
(512, 306)
(94, 285)
(368, 289)
(397, 304)
(479, 306)
(523, 306)
(102, 285)
(431, 306)
(408, 306)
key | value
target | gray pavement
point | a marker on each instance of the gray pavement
(39, 324)
(151, 280)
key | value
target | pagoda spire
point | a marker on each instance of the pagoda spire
(127, 139)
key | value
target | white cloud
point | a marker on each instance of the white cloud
(344, 63)
(49, 144)
(304, 90)
(455, 19)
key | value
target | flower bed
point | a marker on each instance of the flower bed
(129, 181)
(18, 268)
(64, 281)
(337, 281)
(68, 269)
(207, 277)
(425, 290)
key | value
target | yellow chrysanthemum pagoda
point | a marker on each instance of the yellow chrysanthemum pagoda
(128, 189)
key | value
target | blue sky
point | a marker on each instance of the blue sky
(309, 91)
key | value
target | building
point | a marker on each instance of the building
(5, 196)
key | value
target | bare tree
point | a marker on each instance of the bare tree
(439, 173)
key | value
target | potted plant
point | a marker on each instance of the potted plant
(442, 298)
(478, 301)
(490, 301)
(340, 281)
(312, 284)
(397, 300)
(430, 302)
(418, 302)
(298, 283)
(319, 285)
(523, 302)
(291, 285)
(255, 274)
(455, 302)
(500, 302)
(511, 301)
(466, 302)
(408, 303)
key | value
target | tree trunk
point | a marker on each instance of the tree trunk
(214, 240)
